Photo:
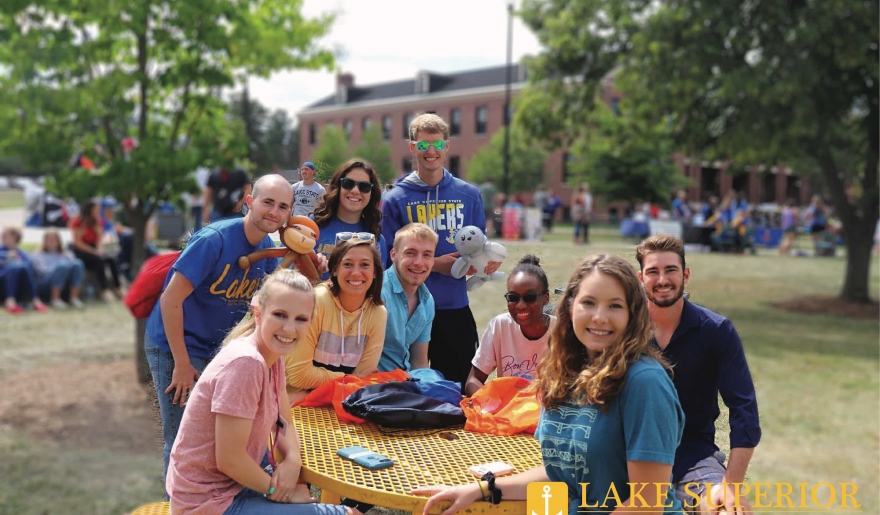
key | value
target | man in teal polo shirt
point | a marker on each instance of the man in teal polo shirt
(409, 304)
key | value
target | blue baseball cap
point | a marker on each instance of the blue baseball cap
(309, 164)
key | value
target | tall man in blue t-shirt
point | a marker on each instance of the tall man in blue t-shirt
(708, 359)
(206, 293)
(433, 196)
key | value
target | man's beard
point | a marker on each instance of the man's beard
(668, 302)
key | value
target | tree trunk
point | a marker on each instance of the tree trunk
(859, 241)
(142, 368)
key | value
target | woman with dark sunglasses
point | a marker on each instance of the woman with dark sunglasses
(513, 341)
(350, 205)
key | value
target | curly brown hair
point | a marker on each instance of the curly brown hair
(329, 203)
(566, 373)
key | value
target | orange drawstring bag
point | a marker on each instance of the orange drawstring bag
(502, 407)
(335, 391)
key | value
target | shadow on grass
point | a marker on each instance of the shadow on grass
(769, 330)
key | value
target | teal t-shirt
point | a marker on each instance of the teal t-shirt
(583, 444)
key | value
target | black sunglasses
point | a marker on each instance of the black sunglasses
(349, 184)
(528, 298)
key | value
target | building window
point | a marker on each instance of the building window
(710, 181)
(567, 160)
(454, 165)
(407, 119)
(482, 116)
(742, 184)
(407, 165)
(768, 186)
(346, 126)
(366, 123)
(312, 133)
(386, 127)
(455, 122)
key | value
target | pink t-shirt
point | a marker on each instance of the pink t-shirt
(237, 383)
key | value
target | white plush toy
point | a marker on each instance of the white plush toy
(476, 251)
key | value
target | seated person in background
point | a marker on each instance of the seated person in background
(515, 340)
(237, 405)
(408, 302)
(17, 273)
(88, 246)
(348, 330)
(57, 270)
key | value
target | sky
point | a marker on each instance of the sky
(389, 40)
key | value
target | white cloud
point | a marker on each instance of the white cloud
(389, 40)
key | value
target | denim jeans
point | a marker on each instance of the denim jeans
(249, 502)
(69, 273)
(162, 367)
(19, 280)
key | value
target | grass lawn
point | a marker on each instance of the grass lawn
(816, 375)
(11, 198)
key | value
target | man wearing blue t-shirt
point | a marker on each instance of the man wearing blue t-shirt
(206, 293)
(708, 359)
(409, 304)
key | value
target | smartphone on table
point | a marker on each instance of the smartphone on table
(365, 457)
(499, 468)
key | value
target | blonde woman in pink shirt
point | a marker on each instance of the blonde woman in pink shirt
(219, 462)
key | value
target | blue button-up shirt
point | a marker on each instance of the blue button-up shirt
(708, 359)
(402, 330)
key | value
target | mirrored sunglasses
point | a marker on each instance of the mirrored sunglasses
(349, 184)
(528, 298)
(422, 146)
(362, 236)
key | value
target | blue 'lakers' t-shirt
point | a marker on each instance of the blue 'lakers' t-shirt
(581, 444)
(222, 290)
(327, 239)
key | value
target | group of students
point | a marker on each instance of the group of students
(601, 368)
(56, 271)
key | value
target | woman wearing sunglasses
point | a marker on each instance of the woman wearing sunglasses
(350, 205)
(514, 341)
(348, 330)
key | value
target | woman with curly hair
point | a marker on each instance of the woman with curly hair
(611, 419)
(350, 206)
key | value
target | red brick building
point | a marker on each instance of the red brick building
(472, 102)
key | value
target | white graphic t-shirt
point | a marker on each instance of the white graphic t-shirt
(504, 347)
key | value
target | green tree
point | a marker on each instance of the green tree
(378, 152)
(332, 151)
(87, 72)
(626, 159)
(792, 83)
(281, 142)
(526, 163)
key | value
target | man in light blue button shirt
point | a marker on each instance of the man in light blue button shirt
(409, 304)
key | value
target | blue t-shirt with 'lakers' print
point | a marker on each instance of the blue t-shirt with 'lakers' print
(222, 290)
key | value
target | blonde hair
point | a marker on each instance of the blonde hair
(281, 277)
(430, 123)
(566, 373)
(415, 230)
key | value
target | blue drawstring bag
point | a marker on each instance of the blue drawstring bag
(434, 385)
(402, 405)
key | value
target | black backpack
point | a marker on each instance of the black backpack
(402, 405)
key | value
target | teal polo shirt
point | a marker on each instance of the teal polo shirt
(401, 330)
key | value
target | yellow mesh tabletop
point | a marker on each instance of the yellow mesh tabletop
(156, 508)
(421, 458)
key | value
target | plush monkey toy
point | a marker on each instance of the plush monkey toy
(298, 238)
